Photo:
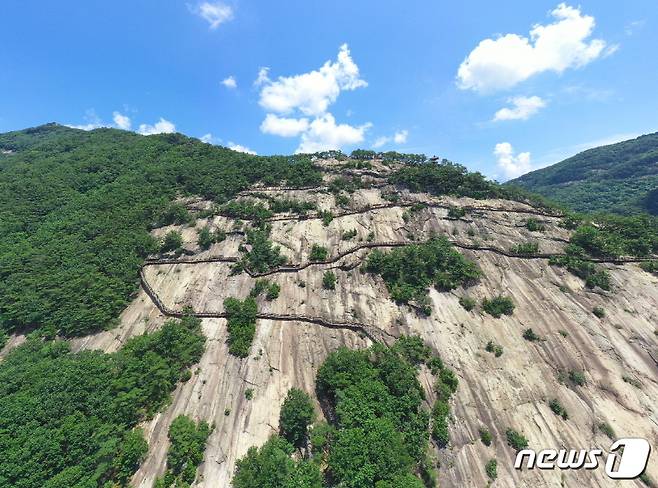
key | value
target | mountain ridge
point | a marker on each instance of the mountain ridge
(505, 309)
(619, 178)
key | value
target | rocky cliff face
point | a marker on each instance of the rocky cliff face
(617, 353)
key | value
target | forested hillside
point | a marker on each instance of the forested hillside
(620, 178)
(76, 208)
(357, 293)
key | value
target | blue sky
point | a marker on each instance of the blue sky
(502, 87)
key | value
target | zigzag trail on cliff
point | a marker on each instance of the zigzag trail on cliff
(497, 393)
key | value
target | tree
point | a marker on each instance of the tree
(172, 241)
(205, 238)
(241, 324)
(329, 280)
(273, 290)
(131, 454)
(186, 450)
(296, 415)
(498, 306)
(318, 253)
(363, 456)
(272, 467)
(68, 418)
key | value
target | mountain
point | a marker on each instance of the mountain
(178, 314)
(620, 178)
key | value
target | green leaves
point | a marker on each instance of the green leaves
(446, 178)
(296, 415)
(67, 419)
(408, 271)
(329, 280)
(271, 467)
(263, 255)
(186, 450)
(76, 208)
(379, 430)
(318, 253)
(241, 324)
(498, 306)
(381, 427)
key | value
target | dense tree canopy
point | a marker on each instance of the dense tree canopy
(379, 430)
(241, 324)
(272, 467)
(408, 271)
(76, 208)
(382, 431)
(296, 415)
(186, 448)
(620, 178)
(66, 420)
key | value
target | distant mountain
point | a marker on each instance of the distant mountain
(619, 178)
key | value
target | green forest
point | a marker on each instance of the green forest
(619, 178)
(76, 212)
(68, 419)
(379, 430)
(76, 208)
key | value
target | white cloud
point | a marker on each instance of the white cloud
(230, 82)
(162, 126)
(92, 119)
(513, 165)
(324, 134)
(282, 126)
(522, 108)
(90, 126)
(298, 104)
(210, 139)
(121, 121)
(380, 141)
(510, 59)
(312, 92)
(215, 13)
(263, 76)
(240, 148)
(631, 27)
(400, 137)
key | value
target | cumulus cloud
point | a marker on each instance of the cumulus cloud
(400, 137)
(240, 148)
(162, 126)
(263, 76)
(512, 164)
(522, 108)
(311, 93)
(230, 82)
(121, 121)
(324, 134)
(503, 62)
(282, 126)
(89, 126)
(298, 105)
(207, 138)
(215, 13)
(93, 121)
(380, 141)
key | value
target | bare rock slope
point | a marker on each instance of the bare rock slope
(617, 353)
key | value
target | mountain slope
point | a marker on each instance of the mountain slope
(355, 254)
(620, 178)
(494, 393)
